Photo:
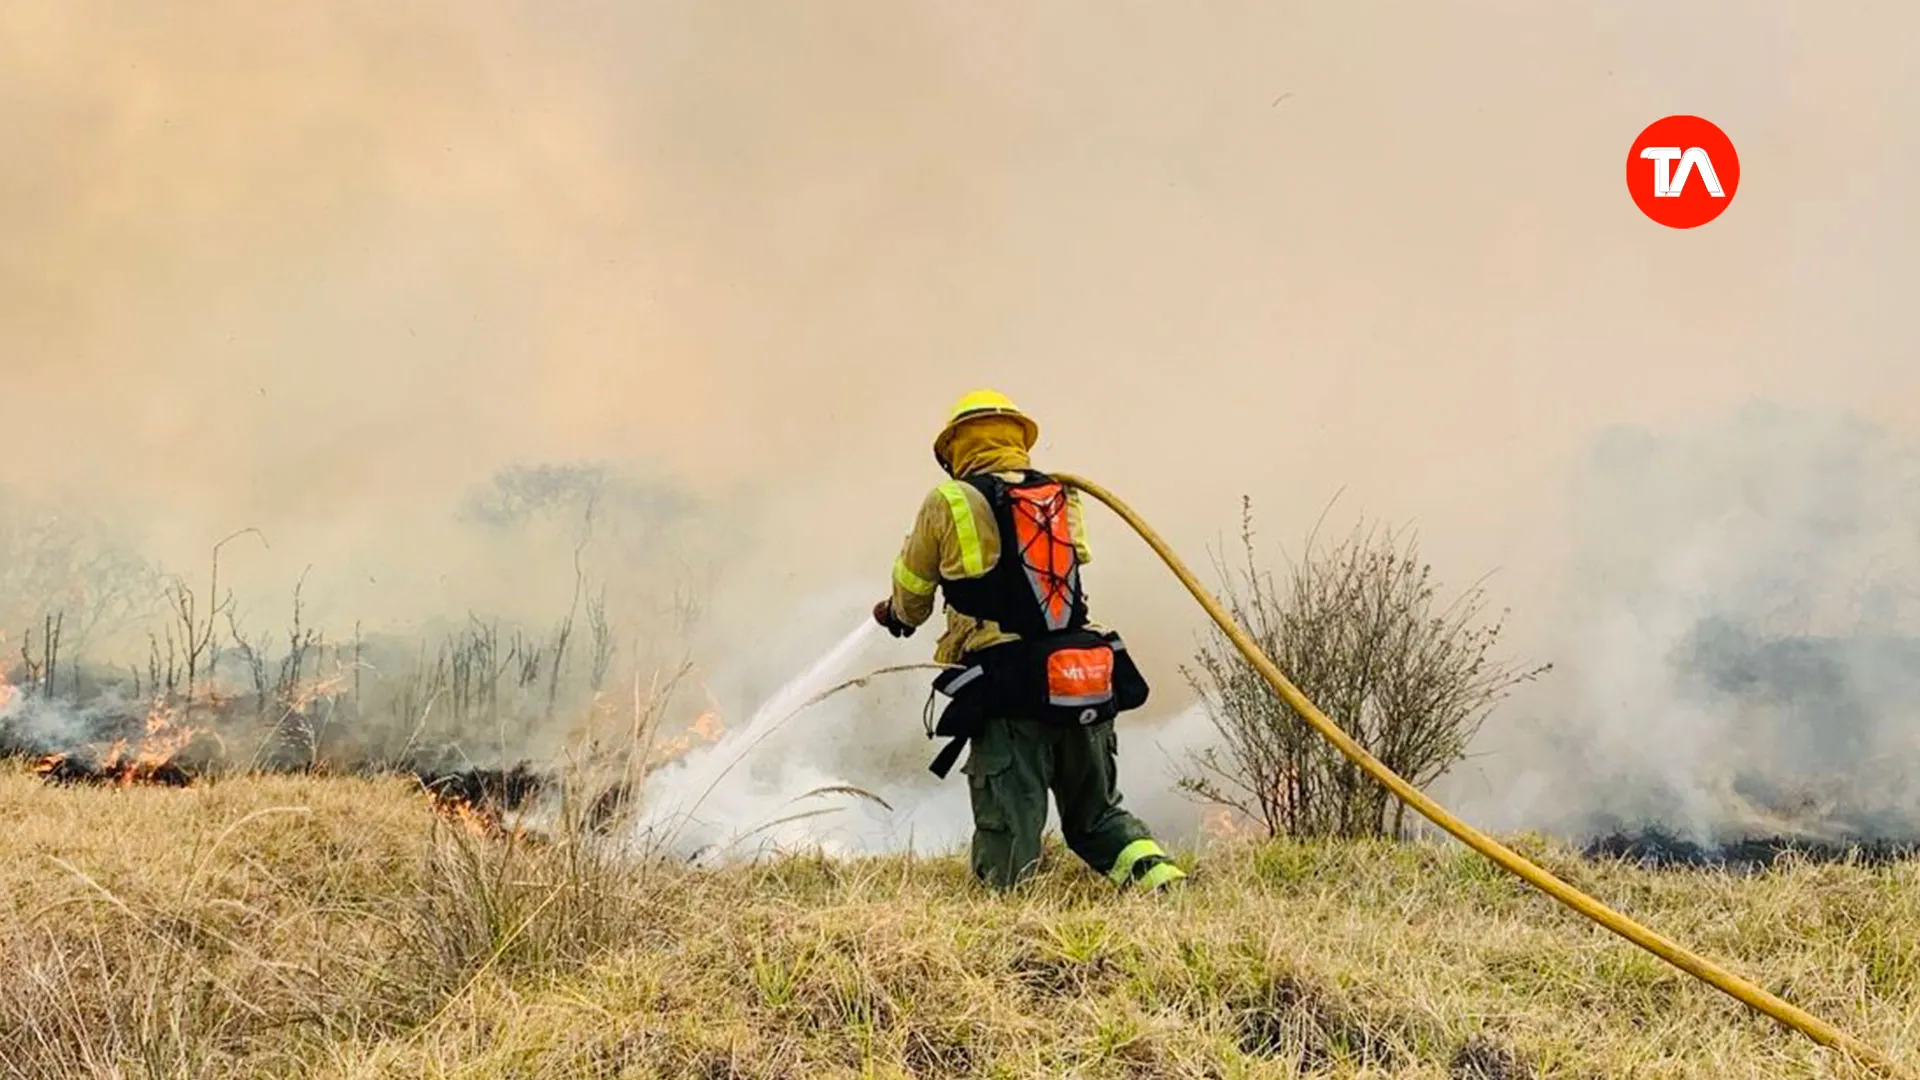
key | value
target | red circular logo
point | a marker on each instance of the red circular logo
(1682, 171)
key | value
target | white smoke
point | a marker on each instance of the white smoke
(35, 724)
(1740, 638)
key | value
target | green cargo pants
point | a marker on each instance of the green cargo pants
(1012, 764)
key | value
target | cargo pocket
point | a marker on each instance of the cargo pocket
(989, 755)
(990, 751)
(1110, 755)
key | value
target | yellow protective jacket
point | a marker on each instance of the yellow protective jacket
(955, 537)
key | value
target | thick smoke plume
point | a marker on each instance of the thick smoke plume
(501, 313)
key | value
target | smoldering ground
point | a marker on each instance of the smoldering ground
(326, 270)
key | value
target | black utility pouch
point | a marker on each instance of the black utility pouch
(968, 693)
(1129, 686)
(1071, 678)
(1079, 678)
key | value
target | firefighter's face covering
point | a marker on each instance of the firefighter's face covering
(987, 444)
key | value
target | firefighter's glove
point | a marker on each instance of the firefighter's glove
(883, 614)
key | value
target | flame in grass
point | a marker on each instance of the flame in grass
(480, 819)
(1227, 824)
(706, 729)
(468, 818)
(1219, 825)
(318, 688)
(153, 758)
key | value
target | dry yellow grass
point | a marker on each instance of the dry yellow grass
(329, 927)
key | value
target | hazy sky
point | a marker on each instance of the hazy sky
(318, 267)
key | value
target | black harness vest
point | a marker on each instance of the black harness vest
(1034, 588)
(1059, 671)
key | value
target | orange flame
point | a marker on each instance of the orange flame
(482, 821)
(1222, 824)
(125, 763)
(317, 688)
(163, 742)
(474, 820)
(705, 730)
(1232, 823)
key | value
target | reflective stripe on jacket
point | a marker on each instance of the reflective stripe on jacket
(955, 537)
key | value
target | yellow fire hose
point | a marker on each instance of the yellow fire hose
(1666, 949)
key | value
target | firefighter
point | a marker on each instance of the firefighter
(1034, 685)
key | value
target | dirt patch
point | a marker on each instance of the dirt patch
(1288, 1017)
(1483, 1059)
(935, 1053)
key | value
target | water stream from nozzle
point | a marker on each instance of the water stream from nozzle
(673, 797)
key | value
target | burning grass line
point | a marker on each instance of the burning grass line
(646, 721)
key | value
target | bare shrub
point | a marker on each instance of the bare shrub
(1359, 628)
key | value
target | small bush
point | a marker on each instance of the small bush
(1359, 629)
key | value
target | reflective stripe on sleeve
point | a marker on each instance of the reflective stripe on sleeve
(909, 580)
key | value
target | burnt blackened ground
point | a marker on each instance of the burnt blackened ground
(518, 789)
(1655, 847)
(509, 789)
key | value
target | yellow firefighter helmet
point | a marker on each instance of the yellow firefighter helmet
(977, 403)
